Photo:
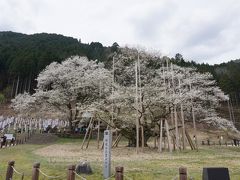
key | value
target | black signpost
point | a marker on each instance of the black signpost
(215, 173)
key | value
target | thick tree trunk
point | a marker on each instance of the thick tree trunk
(131, 136)
(133, 142)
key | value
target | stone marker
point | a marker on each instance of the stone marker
(83, 168)
(107, 154)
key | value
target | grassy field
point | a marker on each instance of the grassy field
(150, 165)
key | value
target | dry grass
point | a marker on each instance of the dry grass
(149, 165)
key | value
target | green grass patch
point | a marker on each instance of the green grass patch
(149, 165)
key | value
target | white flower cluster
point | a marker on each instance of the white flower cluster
(77, 85)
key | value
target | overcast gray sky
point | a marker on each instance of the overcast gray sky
(201, 30)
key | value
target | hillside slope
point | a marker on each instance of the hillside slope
(23, 56)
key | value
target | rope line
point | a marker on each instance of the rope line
(17, 171)
(50, 177)
(83, 178)
(22, 174)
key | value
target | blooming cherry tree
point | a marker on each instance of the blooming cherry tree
(68, 87)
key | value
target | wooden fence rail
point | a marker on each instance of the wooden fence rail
(72, 175)
(226, 143)
(183, 173)
(9, 173)
(35, 171)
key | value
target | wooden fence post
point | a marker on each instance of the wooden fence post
(9, 173)
(182, 173)
(35, 171)
(71, 173)
(119, 173)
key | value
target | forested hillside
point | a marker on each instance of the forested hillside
(23, 56)
(227, 75)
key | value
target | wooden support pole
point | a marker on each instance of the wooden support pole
(86, 133)
(176, 126)
(183, 128)
(9, 173)
(155, 141)
(142, 135)
(160, 135)
(182, 173)
(35, 171)
(164, 142)
(174, 142)
(195, 129)
(194, 121)
(98, 134)
(137, 108)
(168, 137)
(119, 173)
(89, 136)
(116, 140)
(71, 172)
(172, 114)
(189, 140)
